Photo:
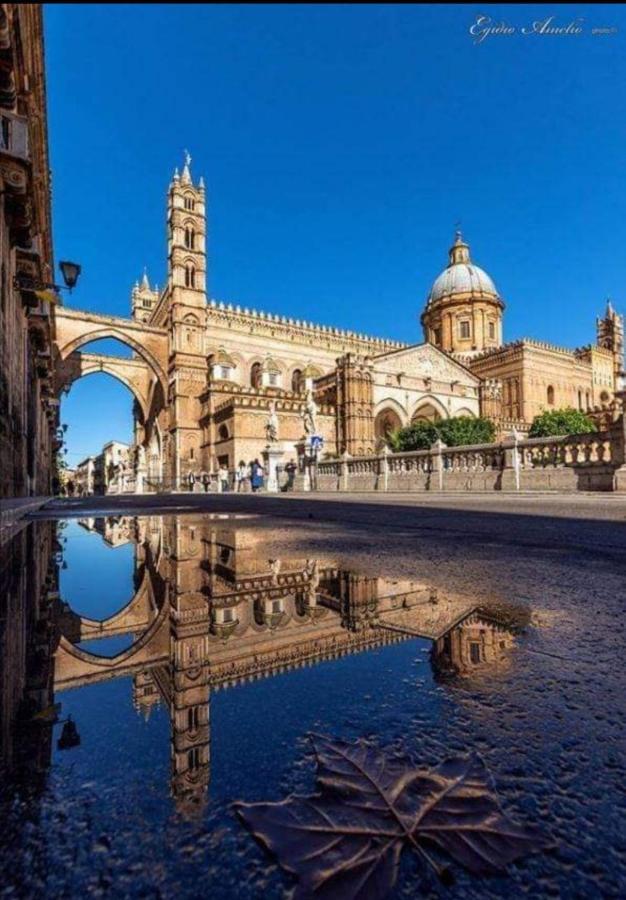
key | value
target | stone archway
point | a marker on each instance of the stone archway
(428, 411)
(75, 328)
(386, 421)
(133, 373)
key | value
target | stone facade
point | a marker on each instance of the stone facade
(28, 407)
(206, 376)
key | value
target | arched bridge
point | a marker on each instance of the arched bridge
(141, 374)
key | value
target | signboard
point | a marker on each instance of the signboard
(317, 442)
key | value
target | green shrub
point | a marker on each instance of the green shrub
(461, 430)
(561, 421)
(454, 432)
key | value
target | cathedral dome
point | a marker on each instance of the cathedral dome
(461, 276)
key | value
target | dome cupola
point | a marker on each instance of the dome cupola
(463, 311)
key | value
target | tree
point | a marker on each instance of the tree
(417, 436)
(561, 421)
(462, 430)
(455, 432)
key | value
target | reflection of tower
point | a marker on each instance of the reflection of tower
(475, 644)
(145, 693)
(189, 673)
(359, 600)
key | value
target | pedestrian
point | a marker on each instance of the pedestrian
(241, 474)
(257, 476)
(291, 469)
(205, 481)
(222, 474)
(192, 480)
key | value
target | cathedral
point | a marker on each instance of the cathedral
(232, 372)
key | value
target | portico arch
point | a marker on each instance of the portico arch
(387, 420)
(429, 409)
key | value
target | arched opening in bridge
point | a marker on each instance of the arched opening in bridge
(102, 405)
(97, 577)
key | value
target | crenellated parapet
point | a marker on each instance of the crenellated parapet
(273, 325)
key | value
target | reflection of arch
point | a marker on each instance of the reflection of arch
(110, 332)
(73, 666)
(136, 615)
(429, 410)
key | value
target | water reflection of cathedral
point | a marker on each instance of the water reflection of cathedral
(212, 609)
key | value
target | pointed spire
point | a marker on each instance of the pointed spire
(176, 177)
(145, 284)
(609, 308)
(201, 183)
(186, 176)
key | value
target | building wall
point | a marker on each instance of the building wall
(536, 377)
(28, 410)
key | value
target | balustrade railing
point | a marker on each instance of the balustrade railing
(597, 453)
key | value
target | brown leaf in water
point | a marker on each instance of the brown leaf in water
(346, 841)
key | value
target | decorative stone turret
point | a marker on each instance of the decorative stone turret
(143, 299)
(355, 405)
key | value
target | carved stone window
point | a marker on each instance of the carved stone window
(465, 329)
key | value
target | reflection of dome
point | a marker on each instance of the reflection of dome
(461, 276)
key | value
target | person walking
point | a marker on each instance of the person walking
(205, 481)
(223, 477)
(291, 468)
(257, 476)
(241, 474)
(192, 481)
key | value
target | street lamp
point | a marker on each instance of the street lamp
(30, 286)
(70, 272)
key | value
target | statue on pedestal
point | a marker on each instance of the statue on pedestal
(141, 457)
(309, 413)
(271, 426)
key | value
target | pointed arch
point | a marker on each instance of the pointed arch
(430, 408)
(118, 335)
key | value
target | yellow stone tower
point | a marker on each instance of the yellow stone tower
(463, 313)
(186, 225)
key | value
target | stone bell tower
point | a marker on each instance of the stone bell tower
(610, 331)
(186, 255)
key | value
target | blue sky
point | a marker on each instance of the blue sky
(340, 145)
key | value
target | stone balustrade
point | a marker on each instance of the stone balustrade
(593, 462)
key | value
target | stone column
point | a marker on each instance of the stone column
(618, 446)
(272, 456)
(511, 462)
(382, 481)
(437, 461)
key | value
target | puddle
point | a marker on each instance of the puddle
(156, 669)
